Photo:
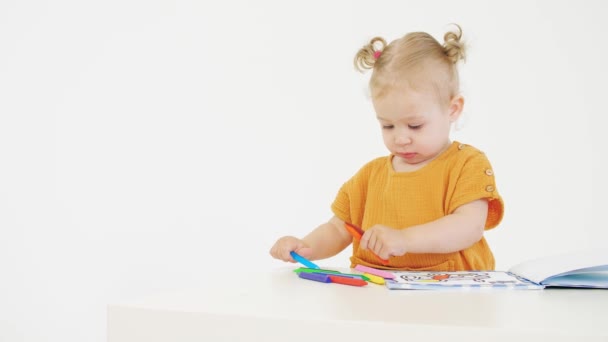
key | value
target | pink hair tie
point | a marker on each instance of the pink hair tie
(377, 54)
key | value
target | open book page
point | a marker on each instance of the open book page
(540, 269)
(595, 277)
(405, 280)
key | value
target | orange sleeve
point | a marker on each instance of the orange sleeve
(476, 181)
(349, 203)
(341, 204)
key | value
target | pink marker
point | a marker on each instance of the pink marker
(379, 273)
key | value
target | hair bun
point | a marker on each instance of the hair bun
(367, 56)
(453, 47)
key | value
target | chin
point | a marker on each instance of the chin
(407, 161)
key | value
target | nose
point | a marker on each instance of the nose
(403, 138)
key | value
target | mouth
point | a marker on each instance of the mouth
(409, 155)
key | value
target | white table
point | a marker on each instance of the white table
(276, 305)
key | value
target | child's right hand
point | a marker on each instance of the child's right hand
(286, 244)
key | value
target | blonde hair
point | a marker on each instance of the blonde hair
(415, 60)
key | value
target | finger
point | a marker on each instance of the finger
(300, 248)
(384, 252)
(377, 246)
(273, 251)
(373, 241)
(286, 255)
(304, 251)
(363, 243)
(282, 248)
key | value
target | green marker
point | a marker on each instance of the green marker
(330, 272)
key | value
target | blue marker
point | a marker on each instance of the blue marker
(302, 260)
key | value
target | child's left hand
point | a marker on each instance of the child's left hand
(384, 241)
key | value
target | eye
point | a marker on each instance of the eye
(414, 126)
(387, 126)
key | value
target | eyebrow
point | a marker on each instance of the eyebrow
(410, 117)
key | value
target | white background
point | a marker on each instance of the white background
(144, 144)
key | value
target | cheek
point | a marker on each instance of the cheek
(386, 137)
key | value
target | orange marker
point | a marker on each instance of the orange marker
(357, 233)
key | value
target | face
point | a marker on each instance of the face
(415, 125)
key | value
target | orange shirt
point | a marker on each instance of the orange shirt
(379, 195)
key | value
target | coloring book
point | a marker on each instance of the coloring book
(576, 270)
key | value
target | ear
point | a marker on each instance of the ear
(456, 106)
